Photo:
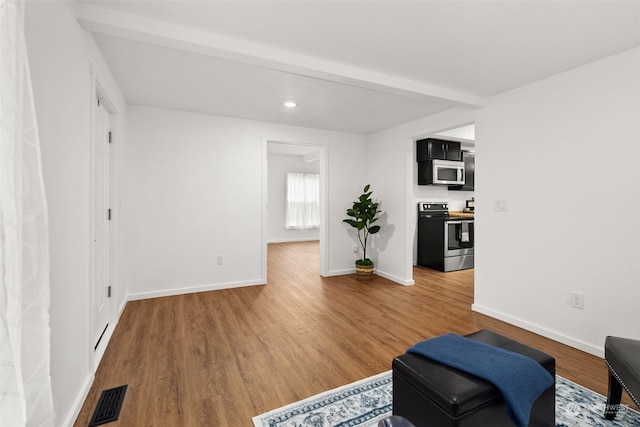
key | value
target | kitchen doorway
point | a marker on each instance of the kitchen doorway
(460, 199)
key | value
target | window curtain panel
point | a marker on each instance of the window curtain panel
(25, 382)
(303, 201)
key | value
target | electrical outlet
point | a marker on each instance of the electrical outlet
(220, 260)
(577, 300)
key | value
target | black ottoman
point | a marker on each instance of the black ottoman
(430, 394)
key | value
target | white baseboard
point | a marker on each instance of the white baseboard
(340, 272)
(192, 290)
(378, 272)
(396, 279)
(540, 330)
(86, 387)
(72, 415)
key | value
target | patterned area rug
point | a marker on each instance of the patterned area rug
(364, 403)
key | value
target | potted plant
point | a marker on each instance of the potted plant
(361, 217)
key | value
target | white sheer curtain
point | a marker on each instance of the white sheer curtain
(25, 382)
(303, 201)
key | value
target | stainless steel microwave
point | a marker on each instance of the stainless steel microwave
(441, 172)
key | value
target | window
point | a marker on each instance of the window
(303, 201)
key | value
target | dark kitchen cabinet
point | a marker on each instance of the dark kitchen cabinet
(437, 149)
(469, 159)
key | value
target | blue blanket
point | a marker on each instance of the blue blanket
(520, 379)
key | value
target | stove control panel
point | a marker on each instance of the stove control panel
(433, 207)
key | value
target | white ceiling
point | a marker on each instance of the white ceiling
(356, 66)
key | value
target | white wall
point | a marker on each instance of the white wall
(60, 55)
(192, 188)
(563, 153)
(393, 175)
(195, 191)
(550, 149)
(279, 165)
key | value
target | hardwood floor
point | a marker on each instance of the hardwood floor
(219, 358)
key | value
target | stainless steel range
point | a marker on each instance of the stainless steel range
(445, 243)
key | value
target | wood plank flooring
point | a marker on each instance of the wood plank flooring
(218, 358)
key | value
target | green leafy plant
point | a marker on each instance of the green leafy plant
(361, 217)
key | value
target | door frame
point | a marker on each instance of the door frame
(96, 352)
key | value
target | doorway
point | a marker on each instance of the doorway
(460, 199)
(284, 161)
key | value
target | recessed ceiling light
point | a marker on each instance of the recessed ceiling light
(289, 104)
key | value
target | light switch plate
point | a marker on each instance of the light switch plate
(500, 206)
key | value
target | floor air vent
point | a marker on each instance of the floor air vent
(108, 408)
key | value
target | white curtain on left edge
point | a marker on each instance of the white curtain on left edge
(25, 381)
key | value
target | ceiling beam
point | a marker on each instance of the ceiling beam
(124, 25)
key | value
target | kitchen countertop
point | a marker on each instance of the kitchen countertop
(460, 214)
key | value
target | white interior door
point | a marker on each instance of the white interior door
(101, 291)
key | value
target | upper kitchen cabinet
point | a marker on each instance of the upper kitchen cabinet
(438, 149)
(469, 159)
